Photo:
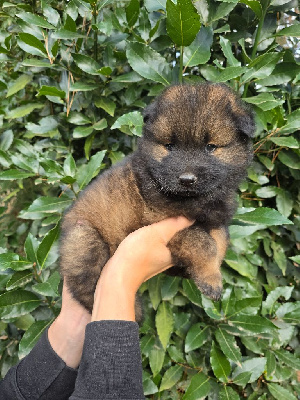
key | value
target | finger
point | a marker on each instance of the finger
(168, 227)
(159, 271)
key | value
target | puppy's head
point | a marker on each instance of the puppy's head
(197, 139)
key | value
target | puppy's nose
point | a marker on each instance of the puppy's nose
(187, 179)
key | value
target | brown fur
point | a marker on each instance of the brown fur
(146, 187)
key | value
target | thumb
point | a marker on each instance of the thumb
(167, 228)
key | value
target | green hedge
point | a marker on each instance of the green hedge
(75, 76)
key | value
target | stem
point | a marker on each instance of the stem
(258, 33)
(256, 42)
(96, 45)
(181, 64)
(288, 100)
(95, 33)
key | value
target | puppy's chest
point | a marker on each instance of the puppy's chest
(202, 211)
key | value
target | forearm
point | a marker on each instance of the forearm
(111, 365)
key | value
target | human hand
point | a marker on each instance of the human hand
(66, 334)
(140, 256)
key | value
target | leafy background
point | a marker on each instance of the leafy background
(75, 76)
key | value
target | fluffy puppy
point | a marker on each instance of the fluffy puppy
(193, 154)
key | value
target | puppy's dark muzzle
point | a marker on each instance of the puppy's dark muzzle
(187, 179)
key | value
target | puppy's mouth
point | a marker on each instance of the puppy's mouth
(180, 191)
(185, 187)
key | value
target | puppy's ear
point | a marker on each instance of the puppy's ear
(150, 112)
(242, 116)
(245, 122)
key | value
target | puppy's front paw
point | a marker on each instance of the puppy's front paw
(211, 286)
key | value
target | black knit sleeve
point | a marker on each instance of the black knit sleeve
(41, 375)
(111, 366)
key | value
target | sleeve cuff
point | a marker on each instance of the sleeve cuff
(43, 373)
(111, 366)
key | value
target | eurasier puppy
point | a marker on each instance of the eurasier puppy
(193, 155)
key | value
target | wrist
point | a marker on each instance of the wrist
(114, 300)
(66, 337)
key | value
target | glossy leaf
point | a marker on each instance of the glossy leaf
(230, 73)
(198, 52)
(256, 366)
(49, 288)
(69, 166)
(86, 64)
(265, 101)
(6, 260)
(183, 22)
(228, 345)
(293, 30)
(45, 205)
(196, 337)
(164, 322)
(18, 84)
(156, 359)
(198, 388)
(31, 336)
(31, 40)
(227, 51)
(30, 247)
(290, 159)
(51, 91)
(148, 63)
(33, 19)
(219, 364)
(100, 125)
(22, 111)
(255, 6)
(290, 142)
(262, 66)
(192, 292)
(90, 170)
(170, 286)
(65, 34)
(131, 123)
(17, 302)
(265, 216)
(171, 377)
(45, 246)
(154, 5)
(19, 279)
(227, 393)
(280, 392)
(82, 131)
(132, 12)
(273, 296)
(107, 105)
(254, 324)
(288, 358)
(12, 174)
(149, 386)
(154, 285)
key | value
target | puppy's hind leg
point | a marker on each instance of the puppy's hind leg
(83, 253)
(201, 255)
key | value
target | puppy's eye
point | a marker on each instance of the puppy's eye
(210, 148)
(169, 146)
